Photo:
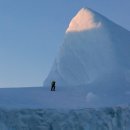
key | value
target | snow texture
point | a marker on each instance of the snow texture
(117, 118)
(91, 71)
(94, 50)
(65, 97)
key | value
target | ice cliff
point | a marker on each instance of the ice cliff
(117, 118)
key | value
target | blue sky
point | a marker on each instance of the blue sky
(31, 32)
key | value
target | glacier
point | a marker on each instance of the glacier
(94, 49)
(117, 118)
(65, 97)
(92, 73)
(95, 59)
(65, 109)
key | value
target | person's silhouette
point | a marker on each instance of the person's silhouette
(53, 85)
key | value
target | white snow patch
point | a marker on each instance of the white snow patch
(91, 97)
(79, 24)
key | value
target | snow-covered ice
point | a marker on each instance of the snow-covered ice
(117, 118)
(95, 59)
(92, 73)
(65, 97)
(94, 49)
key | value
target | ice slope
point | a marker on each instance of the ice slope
(117, 118)
(95, 50)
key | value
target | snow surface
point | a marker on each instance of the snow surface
(64, 97)
(79, 24)
(49, 119)
(91, 71)
(94, 49)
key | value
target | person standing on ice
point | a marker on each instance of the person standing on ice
(53, 85)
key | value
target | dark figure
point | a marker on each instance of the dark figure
(53, 85)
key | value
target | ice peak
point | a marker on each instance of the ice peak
(84, 20)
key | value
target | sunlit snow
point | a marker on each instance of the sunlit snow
(84, 20)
